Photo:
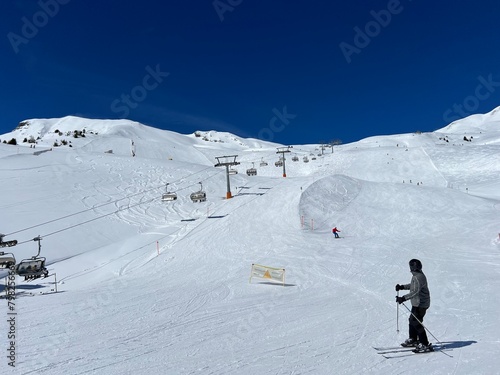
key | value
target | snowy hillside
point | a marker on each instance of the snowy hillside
(125, 137)
(150, 286)
(488, 122)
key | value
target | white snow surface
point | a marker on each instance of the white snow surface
(152, 287)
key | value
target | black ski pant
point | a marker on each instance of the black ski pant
(417, 330)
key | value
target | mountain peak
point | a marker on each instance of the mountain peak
(476, 123)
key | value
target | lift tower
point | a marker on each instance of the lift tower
(229, 161)
(282, 151)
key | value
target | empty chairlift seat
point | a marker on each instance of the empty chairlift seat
(252, 172)
(199, 196)
(168, 195)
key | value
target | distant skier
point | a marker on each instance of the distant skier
(420, 300)
(335, 232)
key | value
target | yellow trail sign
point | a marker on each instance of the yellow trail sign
(269, 273)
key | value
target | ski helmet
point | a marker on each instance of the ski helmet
(415, 265)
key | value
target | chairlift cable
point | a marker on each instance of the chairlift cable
(102, 205)
(99, 217)
(80, 212)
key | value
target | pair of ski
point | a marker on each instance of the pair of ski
(401, 351)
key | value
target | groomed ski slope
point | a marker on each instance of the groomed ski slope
(152, 287)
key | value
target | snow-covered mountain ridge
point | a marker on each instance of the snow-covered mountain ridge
(151, 286)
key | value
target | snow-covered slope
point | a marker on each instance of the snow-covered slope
(147, 286)
(125, 137)
(484, 128)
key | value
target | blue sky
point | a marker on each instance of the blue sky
(293, 72)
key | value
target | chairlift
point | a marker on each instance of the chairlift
(263, 163)
(199, 196)
(168, 195)
(314, 158)
(33, 268)
(279, 163)
(233, 171)
(252, 171)
(305, 159)
(295, 158)
(7, 260)
(6, 243)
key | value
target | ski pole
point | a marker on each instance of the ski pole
(397, 316)
(422, 325)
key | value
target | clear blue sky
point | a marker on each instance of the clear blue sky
(293, 72)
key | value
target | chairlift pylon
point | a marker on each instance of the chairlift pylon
(34, 267)
(168, 195)
(199, 196)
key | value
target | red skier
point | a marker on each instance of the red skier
(335, 232)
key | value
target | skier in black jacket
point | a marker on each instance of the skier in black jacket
(420, 302)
